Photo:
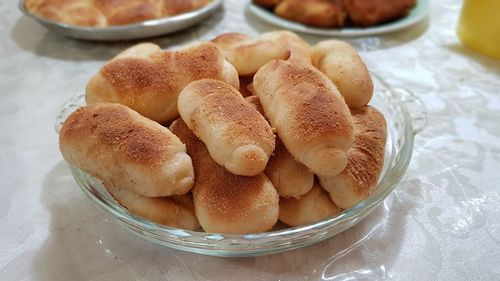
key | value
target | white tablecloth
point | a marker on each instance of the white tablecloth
(442, 222)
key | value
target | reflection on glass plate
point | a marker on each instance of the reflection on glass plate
(416, 15)
(405, 116)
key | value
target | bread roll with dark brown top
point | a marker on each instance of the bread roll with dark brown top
(149, 80)
(289, 177)
(341, 63)
(365, 160)
(309, 208)
(308, 113)
(174, 211)
(124, 149)
(236, 135)
(224, 202)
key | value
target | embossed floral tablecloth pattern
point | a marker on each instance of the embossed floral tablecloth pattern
(442, 222)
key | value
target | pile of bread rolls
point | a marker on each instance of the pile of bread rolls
(339, 13)
(106, 13)
(233, 134)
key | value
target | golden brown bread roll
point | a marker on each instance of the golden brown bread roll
(340, 62)
(247, 55)
(149, 80)
(309, 208)
(175, 211)
(289, 177)
(365, 160)
(101, 13)
(367, 13)
(308, 113)
(236, 135)
(124, 149)
(224, 202)
(323, 13)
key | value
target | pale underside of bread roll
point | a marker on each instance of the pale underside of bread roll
(224, 202)
(174, 211)
(124, 149)
(341, 63)
(365, 160)
(236, 135)
(308, 113)
(309, 208)
(290, 177)
(247, 55)
(101, 13)
(149, 80)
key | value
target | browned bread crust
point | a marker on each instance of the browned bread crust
(365, 160)
(123, 149)
(236, 135)
(248, 55)
(149, 80)
(323, 13)
(367, 13)
(339, 13)
(289, 177)
(309, 114)
(224, 202)
(101, 13)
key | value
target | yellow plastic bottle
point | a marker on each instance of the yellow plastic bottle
(479, 26)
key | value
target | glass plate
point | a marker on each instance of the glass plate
(417, 14)
(405, 115)
(139, 30)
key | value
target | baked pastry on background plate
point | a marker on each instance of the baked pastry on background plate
(339, 13)
(102, 13)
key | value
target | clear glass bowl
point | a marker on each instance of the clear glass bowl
(405, 116)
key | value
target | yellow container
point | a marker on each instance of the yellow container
(479, 26)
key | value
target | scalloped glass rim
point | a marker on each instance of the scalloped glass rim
(399, 150)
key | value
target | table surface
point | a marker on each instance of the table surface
(442, 222)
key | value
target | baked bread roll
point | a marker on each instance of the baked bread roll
(368, 13)
(174, 211)
(340, 62)
(236, 135)
(247, 55)
(322, 13)
(308, 113)
(289, 177)
(365, 160)
(124, 149)
(224, 202)
(102, 13)
(149, 80)
(309, 208)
